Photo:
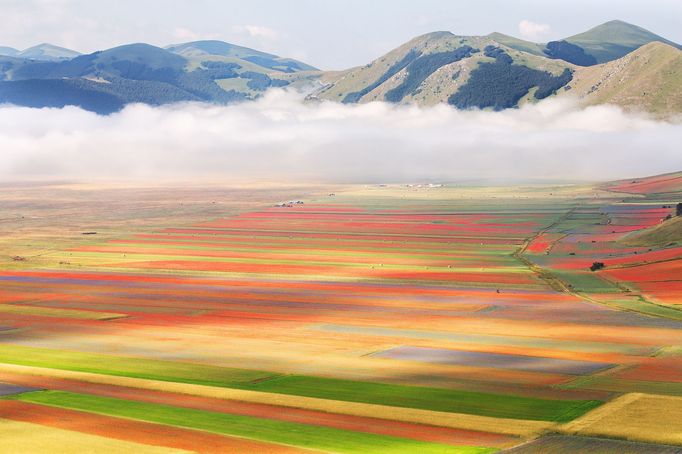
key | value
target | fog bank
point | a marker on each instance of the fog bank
(280, 137)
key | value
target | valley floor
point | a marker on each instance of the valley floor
(384, 318)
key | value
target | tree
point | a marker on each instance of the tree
(597, 266)
(679, 209)
(570, 53)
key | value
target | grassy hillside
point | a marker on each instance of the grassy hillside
(433, 68)
(648, 79)
(199, 50)
(614, 39)
(8, 51)
(105, 81)
(428, 70)
(667, 232)
(616, 63)
(518, 44)
(48, 52)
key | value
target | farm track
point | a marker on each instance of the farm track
(558, 284)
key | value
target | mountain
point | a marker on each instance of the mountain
(519, 44)
(615, 63)
(8, 52)
(648, 79)
(48, 52)
(221, 51)
(105, 81)
(464, 71)
(641, 71)
(606, 42)
(614, 39)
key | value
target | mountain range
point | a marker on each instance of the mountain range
(616, 62)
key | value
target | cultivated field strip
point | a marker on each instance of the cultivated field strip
(377, 320)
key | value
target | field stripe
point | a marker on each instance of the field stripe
(22, 437)
(36, 311)
(376, 426)
(635, 416)
(292, 434)
(135, 431)
(504, 426)
(598, 414)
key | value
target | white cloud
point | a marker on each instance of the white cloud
(185, 34)
(259, 31)
(258, 37)
(281, 137)
(532, 30)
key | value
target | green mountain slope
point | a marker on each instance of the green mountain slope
(648, 79)
(198, 50)
(614, 39)
(105, 81)
(499, 71)
(48, 52)
(440, 67)
(8, 51)
(518, 44)
(615, 63)
(665, 233)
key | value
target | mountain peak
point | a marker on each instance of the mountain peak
(614, 39)
(214, 47)
(8, 51)
(647, 79)
(235, 53)
(48, 52)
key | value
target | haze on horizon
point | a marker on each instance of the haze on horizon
(327, 34)
(281, 138)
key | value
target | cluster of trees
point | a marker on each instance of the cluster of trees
(597, 266)
(422, 67)
(202, 85)
(129, 69)
(145, 91)
(220, 70)
(59, 93)
(501, 84)
(392, 71)
(571, 53)
(261, 82)
(287, 66)
(106, 98)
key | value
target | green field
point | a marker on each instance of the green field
(435, 399)
(146, 368)
(282, 432)
(447, 400)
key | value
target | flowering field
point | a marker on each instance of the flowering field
(380, 319)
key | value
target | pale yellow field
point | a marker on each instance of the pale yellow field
(58, 313)
(25, 438)
(636, 417)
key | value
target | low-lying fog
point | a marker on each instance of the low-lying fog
(281, 137)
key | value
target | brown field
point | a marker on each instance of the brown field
(134, 431)
(18, 436)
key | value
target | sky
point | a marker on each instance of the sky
(327, 34)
